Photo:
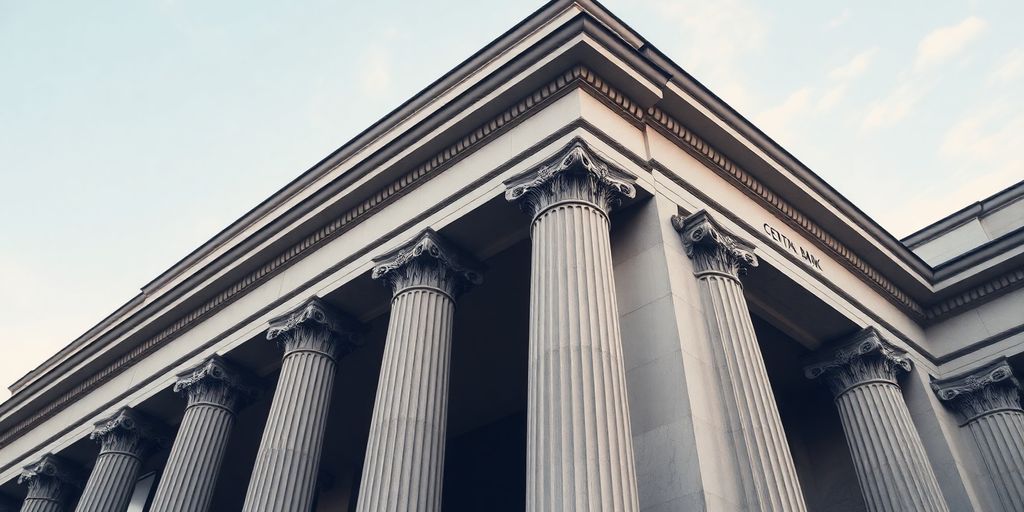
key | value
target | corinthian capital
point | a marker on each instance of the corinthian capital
(430, 261)
(315, 326)
(128, 431)
(991, 388)
(577, 174)
(711, 247)
(214, 381)
(862, 359)
(51, 478)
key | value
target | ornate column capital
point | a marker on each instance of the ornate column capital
(711, 247)
(427, 260)
(576, 175)
(991, 388)
(866, 357)
(215, 381)
(51, 478)
(129, 432)
(316, 327)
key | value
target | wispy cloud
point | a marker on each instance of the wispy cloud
(817, 98)
(934, 49)
(832, 97)
(842, 76)
(376, 67)
(945, 42)
(895, 106)
(988, 137)
(375, 73)
(1009, 69)
(855, 67)
(980, 155)
(715, 38)
(779, 119)
(839, 20)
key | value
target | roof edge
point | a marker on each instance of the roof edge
(964, 215)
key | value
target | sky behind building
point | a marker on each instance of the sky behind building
(133, 131)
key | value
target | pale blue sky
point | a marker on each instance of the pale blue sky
(132, 131)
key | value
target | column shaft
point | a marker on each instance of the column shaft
(892, 467)
(762, 453)
(580, 453)
(51, 482)
(1000, 438)
(988, 401)
(404, 466)
(125, 438)
(405, 453)
(214, 391)
(770, 479)
(111, 483)
(285, 473)
(41, 505)
(190, 476)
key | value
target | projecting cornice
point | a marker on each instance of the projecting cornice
(717, 161)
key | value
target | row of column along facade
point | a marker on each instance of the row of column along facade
(580, 454)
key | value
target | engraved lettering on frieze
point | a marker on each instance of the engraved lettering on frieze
(797, 250)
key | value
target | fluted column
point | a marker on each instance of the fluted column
(579, 444)
(214, 390)
(284, 476)
(890, 460)
(52, 484)
(125, 439)
(769, 477)
(405, 452)
(988, 401)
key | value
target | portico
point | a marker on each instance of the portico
(589, 288)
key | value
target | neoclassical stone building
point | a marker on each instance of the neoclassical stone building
(564, 277)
